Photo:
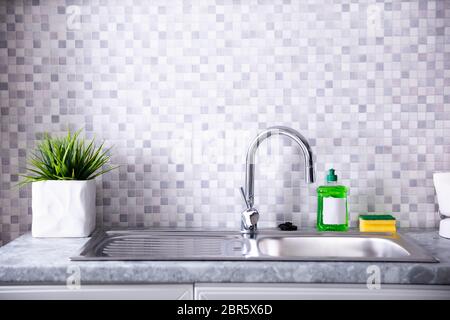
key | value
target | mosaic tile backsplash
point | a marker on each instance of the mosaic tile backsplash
(180, 88)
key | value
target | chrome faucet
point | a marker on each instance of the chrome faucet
(250, 216)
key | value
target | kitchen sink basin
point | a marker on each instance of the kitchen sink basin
(346, 247)
(168, 244)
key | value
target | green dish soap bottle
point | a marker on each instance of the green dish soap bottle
(332, 210)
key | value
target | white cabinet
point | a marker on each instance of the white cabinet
(224, 291)
(96, 292)
(272, 291)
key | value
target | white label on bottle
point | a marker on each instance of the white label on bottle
(334, 210)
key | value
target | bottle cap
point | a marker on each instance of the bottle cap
(331, 177)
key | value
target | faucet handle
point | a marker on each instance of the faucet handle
(249, 217)
(245, 199)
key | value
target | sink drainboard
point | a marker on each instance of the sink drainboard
(130, 246)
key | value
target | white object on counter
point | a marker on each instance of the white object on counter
(63, 208)
(442, 185)
(444, 228)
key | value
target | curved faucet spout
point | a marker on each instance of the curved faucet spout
(250, 162)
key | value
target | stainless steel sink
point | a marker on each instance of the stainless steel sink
(159, 244)
(347, 247)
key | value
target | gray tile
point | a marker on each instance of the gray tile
(180, 88)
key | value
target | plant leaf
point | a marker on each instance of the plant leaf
(66, 158)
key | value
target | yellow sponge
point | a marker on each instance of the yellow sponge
(377, 223)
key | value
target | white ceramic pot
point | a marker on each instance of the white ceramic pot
(63, 208)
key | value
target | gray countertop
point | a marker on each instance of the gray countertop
(28, 260)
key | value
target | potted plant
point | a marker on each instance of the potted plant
(62, 172)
